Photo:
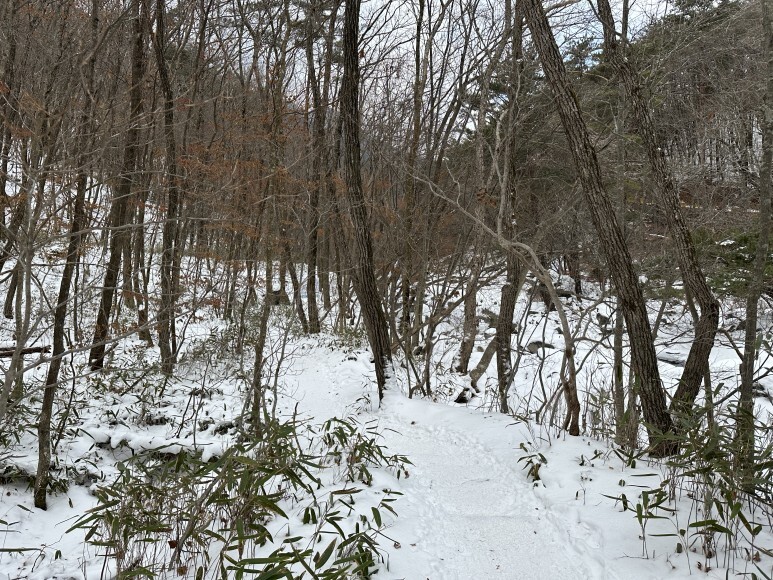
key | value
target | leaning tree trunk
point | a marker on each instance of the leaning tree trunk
(694, 280)
(643, 358)
(363, 273)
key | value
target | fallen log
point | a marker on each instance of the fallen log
(7, 352)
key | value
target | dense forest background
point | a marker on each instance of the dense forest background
(383, 171)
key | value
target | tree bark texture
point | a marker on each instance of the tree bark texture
(363, 273)
(119, 235)
(166, 326)
(318, 178)
(643, 357)
(745, 420)
(694, 280)
(63, 300)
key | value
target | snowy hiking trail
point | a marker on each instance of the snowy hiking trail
(476, 515)
(467, 510)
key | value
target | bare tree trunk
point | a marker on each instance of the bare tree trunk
(140, 278)
(297, 301)
(258, 395)
(17, 219)
(470, 325)
(119, 235)
(504, 332)
(7, 111)
(363, 273)
(694, 280)
(745, 418)
(34, 161)
(644, 360)
(324, 272)
(411, 271)
(471, 302)
(622, 420)
(60, 312)
(618, 386)
(511, 288)
(170, 236)
(318, 165)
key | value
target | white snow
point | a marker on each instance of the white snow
(471, 506)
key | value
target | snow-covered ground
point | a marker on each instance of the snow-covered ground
(486, 495)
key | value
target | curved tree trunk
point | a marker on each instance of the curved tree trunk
(602, 212)
(694, 280)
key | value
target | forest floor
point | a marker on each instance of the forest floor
(486, 495)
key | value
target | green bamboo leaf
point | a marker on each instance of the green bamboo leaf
(321, 559)
(346, 491)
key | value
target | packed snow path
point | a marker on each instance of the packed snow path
(473, 513)
(467, 511)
